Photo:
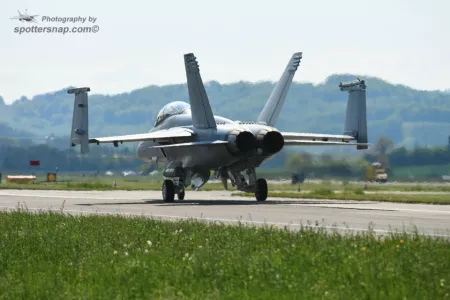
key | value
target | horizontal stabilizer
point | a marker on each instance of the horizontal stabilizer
(315, 136)
(192, 144)
(160, 135)
(322, 143)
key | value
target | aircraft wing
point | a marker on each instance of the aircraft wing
(192, 144)
(320, 143)
(316, 137)
(157, 136)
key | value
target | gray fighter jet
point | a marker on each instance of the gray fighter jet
(25, 17)
(192, 141)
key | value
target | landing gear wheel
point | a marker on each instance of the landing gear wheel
(168, 190)
(181, 195)
(261, 189)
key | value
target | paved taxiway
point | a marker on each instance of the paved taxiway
(221, 206)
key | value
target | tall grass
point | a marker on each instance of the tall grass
(49, 255)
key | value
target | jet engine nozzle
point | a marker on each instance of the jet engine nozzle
(270, 141)
(241, 142)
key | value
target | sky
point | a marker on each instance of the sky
(140, 43)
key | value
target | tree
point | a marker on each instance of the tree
(299, 162)
(380, 151)
(383, 146)
(3, 150)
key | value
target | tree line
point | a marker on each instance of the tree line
(16, 155)
(405, 115)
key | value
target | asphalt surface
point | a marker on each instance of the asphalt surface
(220, 206)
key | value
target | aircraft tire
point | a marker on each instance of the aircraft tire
(181, 195)
(168, 191)
(261, 189)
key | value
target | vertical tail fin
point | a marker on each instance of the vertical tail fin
(271, 110)
(202, 115)
(356, 116)
(80, 122)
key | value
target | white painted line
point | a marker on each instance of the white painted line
(373, 208)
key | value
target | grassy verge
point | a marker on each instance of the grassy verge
(100, 186)
(357, 195)
(418, 187)
(49, 255)
(103, 183)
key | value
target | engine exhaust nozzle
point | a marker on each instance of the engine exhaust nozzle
(270, 141)
(241, 142)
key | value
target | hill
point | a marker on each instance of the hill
(408, 116)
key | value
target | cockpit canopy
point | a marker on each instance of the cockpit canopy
(171, 109)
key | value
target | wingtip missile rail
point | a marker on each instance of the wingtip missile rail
(79, 90)
(353, 85)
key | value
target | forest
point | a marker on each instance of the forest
(409, 117)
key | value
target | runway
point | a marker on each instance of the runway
(220, 206)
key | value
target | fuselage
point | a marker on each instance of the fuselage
(26, 18)
(206, 157)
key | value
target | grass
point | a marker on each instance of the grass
(130, 183)
(357, 194)
(146, 183)
(310, 189)
(51, 255)
(421, 172)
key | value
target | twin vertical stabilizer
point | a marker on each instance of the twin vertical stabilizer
(356, 116)
(80, 122)
(272, 109)
(202, 115)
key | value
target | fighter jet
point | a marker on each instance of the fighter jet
(25, 17)
(192, 141)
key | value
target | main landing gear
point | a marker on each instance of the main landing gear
(261, 189)
(169, 189)
(253, 185)
(176, 185)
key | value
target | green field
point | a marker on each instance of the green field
(50, 255)
(155, 183)
(310, 189)
(429, 172)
